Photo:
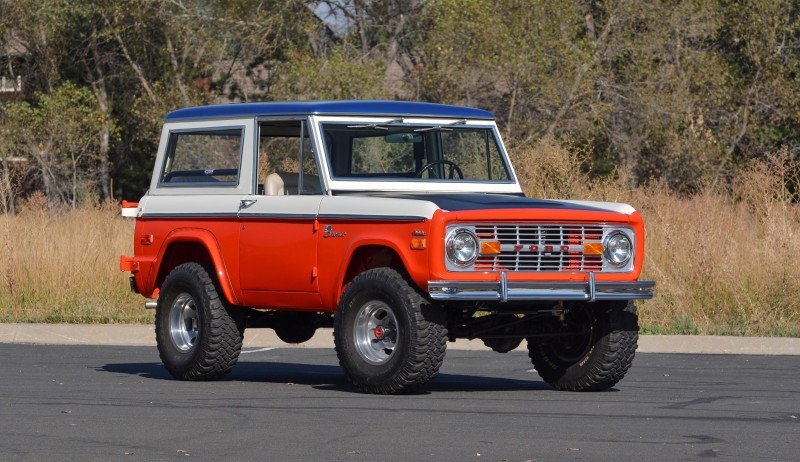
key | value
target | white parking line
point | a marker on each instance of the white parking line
(257, 351)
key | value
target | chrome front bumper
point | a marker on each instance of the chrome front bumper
(504, 291)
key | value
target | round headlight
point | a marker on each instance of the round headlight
(617, 248)
(462, 247)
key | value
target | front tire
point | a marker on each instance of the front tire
(595, 360)
(388, 338)
(199, 335)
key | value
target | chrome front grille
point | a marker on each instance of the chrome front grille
(540, 247)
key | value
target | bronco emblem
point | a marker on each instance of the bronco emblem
(329, 232)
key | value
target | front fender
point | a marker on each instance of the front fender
(415, 262)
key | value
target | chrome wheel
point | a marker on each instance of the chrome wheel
(375, 332)
(389, 339)
(183, 322)
(199, 335)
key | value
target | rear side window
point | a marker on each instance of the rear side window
(211, 157)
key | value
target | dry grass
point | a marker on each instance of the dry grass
(725, 261)
(65, 267)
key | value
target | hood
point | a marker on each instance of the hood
(468, 201)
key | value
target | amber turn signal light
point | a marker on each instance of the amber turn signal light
(490, 247)
(593, 248)
(418, 243)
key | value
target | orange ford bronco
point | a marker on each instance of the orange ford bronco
(399, 224)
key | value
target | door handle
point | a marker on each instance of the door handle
(244, 203)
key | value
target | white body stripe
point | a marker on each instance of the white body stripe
(377, 206)
(617, 207)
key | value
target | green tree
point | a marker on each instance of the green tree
(59, 135)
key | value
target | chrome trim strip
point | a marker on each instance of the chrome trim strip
(277, 216)
(285, 216)
(180, 216)
(331, 216)
(201, 184)
(503, 286)
(511, 291)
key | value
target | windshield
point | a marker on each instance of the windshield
(450, 152)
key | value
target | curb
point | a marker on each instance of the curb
(144, 335)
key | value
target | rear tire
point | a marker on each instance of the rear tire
(596, 360)
(199, 335)
(388, 338)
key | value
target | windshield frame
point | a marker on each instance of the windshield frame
(340, 183)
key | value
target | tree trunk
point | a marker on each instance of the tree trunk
(358, 7)
(134, 65)
(582, 70)
(173, 59)
(101, 93)
(48, 189)
(8, 190)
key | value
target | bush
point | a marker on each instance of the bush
(724, 260)
(65, 267)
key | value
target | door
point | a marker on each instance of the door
(278, 239)
(278, 243)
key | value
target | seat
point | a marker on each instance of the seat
(285, 184)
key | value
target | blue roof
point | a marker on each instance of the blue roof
(368, 108)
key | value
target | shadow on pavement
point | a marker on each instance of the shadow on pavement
(329, 377)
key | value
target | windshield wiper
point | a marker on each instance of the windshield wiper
(377, 126)
(441, 127)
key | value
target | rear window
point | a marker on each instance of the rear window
(210, 157)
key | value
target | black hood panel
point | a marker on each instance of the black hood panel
(457, 202)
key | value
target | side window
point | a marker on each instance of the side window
(280, 148)
(203, 156)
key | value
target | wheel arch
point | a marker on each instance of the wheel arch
(370, 255)
(193, 245)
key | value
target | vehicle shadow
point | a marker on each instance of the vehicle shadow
(328, 377)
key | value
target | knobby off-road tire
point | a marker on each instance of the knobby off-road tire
(595, 361)
(199, 335)
(409, 348)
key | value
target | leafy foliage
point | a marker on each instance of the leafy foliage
(680, 92)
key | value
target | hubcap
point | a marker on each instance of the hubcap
(375, 332)
(183, 322)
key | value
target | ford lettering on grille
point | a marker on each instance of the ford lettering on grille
(540, 248)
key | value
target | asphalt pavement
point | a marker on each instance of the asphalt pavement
(144, 335)
(105, 402)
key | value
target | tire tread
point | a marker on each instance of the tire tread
(219, 350)
(608, 361)
(428, 333)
